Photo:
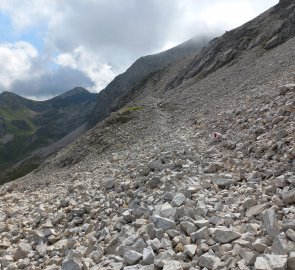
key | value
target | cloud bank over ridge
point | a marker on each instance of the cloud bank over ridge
(51, 46)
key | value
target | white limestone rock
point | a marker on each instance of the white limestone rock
(224, 235)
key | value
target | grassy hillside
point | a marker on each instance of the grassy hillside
(27, 125)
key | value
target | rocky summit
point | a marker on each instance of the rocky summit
(198, 174)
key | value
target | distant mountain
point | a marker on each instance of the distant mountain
(112, 97)
(27, 125)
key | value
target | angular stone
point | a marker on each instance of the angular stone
(277, 262)
(209, 261)
(288, 87)
(188, 227)
(269, 220)
(248, 255)
(261, 264)
(72, 264)
(190, 250)
(6, 260)
(256, 210)
(148, 256)
(155, 244)
(249, 202)
(22, 251)
(259, 245)
(163, 257)
(289, 196)
(281, 134)
(280, 245)
(178, 200)
(291, 261)
(200, 234)
(163, 223)
(109, 184)
(291, 234)
(213, 168)
(223, 182)
(289, 224)
(167, 210)
(172, 265)
(280, 181)
(202, 222)
(132, 257)
(224, 235)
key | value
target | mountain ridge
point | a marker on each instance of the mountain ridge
(26, 125)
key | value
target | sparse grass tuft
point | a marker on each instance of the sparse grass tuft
(131, 109)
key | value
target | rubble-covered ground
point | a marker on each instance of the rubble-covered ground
(149, 188)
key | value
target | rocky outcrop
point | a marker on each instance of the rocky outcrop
(116, 94)
(267, 31)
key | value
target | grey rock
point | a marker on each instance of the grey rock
(277, 262)
(223, 182)
(72, 264)
(22, 251)
(259, 245)
(209, 261)
(172, 265)
(6, 260)
(200, 234)
(168, 197)
(288, 196)
(256, 210)
(132, 257)
(291, 234)
(287, 87)
(188, 227)
(288, 224)
(224, 235)
(178, 200)
(163, 258)
(261, 264)
(291, 261)
(248, 256)
(167, 210)
(281, 134)
(163, 223)
(148, 256)
(109, 184)
(213, 168)
(155, 244)
(269, 220)
(280, 245)
(190, 250)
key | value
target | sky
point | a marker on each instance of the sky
(50, 46)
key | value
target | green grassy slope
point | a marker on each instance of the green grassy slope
(34, 124)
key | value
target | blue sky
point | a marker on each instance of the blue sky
(50, 46)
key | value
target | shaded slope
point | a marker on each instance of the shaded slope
(108, 99)
(26, 125)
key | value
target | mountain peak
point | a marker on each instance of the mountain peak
(74, 91)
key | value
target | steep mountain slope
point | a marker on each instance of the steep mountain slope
(27, 125)
(114, 95)
(266, 31)
(151, 188)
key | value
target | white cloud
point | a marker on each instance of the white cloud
(89, 63)
(16, 62)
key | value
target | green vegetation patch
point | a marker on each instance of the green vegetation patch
(131, 109)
